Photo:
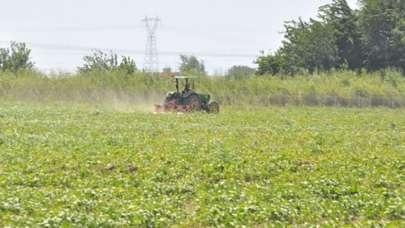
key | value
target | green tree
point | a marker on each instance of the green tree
(240, 73)
(167, 70)
(270, 64)
(344, 23)
(372, 37)
(15, 58)
(127, 65)
(383, 28)
(308, 46)
(100, 61)
(191, 65)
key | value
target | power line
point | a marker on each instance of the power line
(185, 31)
(212, 36)
(84, 29)
(82, 49)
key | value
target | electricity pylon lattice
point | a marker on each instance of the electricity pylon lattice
(151, 52)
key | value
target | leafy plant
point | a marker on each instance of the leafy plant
(92, 165)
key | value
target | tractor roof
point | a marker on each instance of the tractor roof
(185, 77)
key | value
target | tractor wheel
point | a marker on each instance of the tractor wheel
(213, 108)
(194, 102)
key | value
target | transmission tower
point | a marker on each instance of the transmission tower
(151, 53)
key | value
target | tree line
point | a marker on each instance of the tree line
(18, 57)
(371, 37)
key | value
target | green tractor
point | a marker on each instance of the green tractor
(187, 100)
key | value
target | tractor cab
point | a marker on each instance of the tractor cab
(189, 85)
(187, 99)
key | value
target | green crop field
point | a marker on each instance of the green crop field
(86, 166)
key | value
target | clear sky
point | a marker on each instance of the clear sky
(221, 32)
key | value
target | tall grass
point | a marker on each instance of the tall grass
(344, 88)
